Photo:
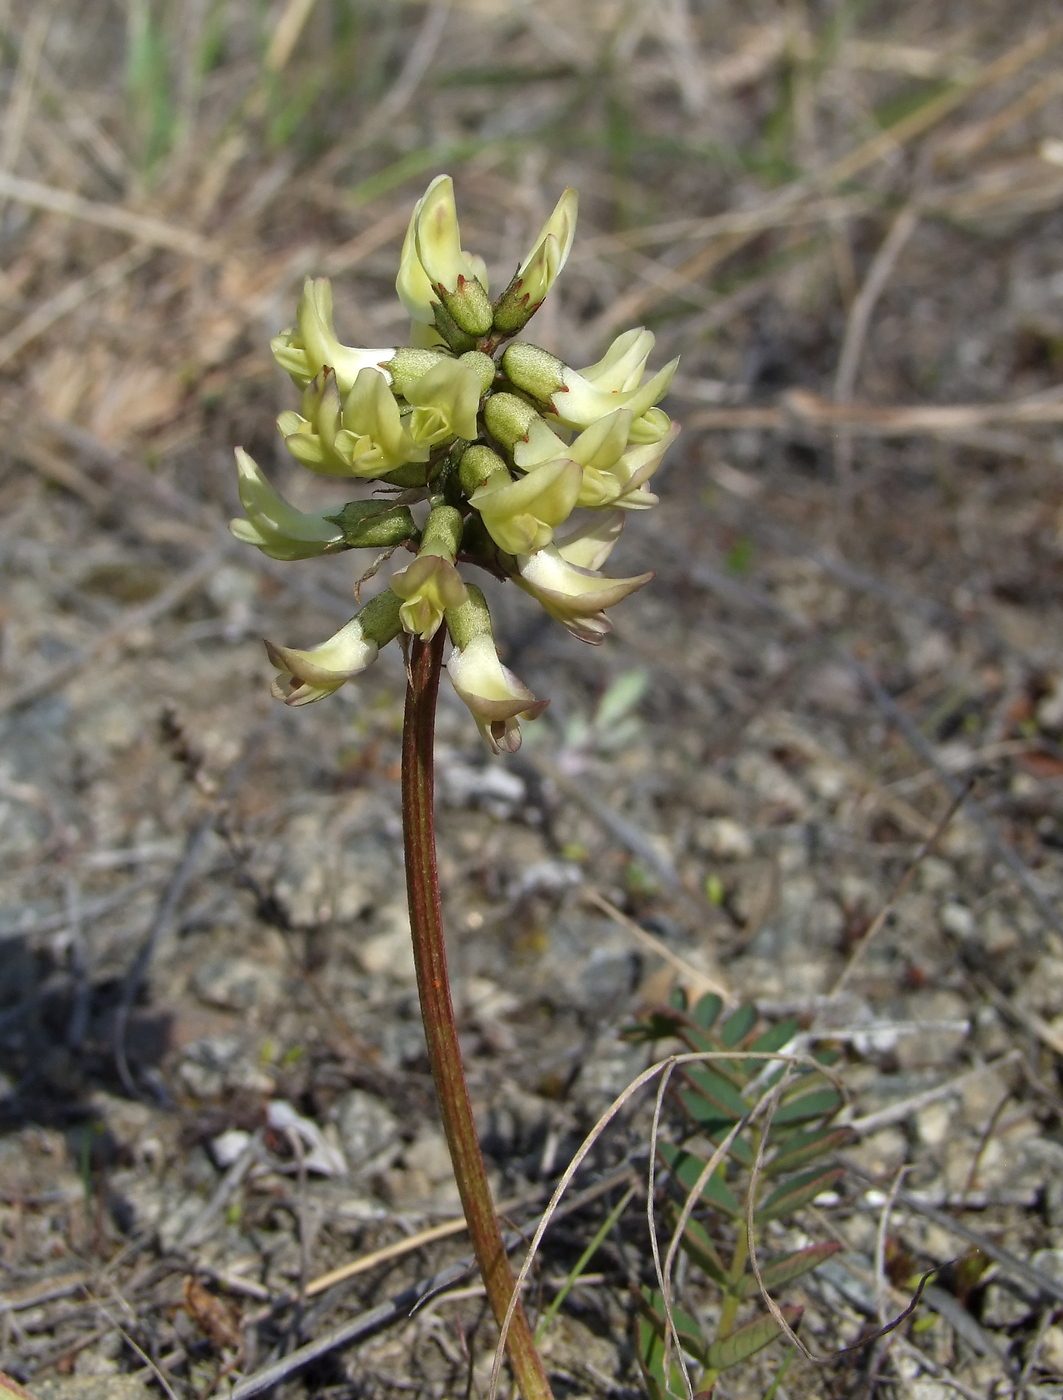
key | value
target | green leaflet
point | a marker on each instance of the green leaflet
(748, 1340)
(789, 1267)
(687, 1168)
(801, 1147)
(797, 1192)
(720, 1095)
(738, 1025)
(687, 1327)
(707, 1010)
(699, 1247)
(818, 1104)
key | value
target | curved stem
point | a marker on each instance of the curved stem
(437, 1012)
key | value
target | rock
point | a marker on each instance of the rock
(238, 984)
(932, 1123)
(216, 1063)
(1001, 1307)
(368, 1130)
(770, 782)
(390, 953)
(426, 1180)
(937, 1044)
(496, 790)
(1051, 1358)
(723, 838)
(958, 920)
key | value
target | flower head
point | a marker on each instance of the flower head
(310, 675)
(573, 594)
(311, 345)
(494, 695)
(275, 527)
(539, 270)
(482, 447)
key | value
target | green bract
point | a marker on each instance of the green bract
(510, 459)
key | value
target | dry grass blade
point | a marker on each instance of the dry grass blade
(696, 980)
(68, 299)
(145, 228)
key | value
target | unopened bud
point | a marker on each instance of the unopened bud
(508, 419)
(483, 366)
(374, 524)
(407, 365)
(478, 464)
(536, 371)
(538, 272)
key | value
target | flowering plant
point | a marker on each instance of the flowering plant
(499, 441)
(496, 443)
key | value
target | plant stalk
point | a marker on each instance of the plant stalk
(437, 1012)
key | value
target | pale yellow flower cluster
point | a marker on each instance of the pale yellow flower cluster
(514, 461)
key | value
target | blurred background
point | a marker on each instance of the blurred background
(846, 217)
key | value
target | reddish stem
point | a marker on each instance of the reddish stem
(437, 1012)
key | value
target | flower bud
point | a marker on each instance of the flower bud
(482, 366)
(312, 674)
(444, 400)
(520, 515)
(431, 584)
(492, 692)
(539, 270)
(407, 366)
(428, 587)
(374, 524)
(272, 525)
(509, 419)
(305, 350)
(575, 596)
(478, 464)
(438, 241)
(536, 371)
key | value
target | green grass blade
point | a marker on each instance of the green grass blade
(581, 1263)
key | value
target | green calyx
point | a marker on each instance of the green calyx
(536, 371)
(442, 532)
(469, 306)
(482, 366)
(508, 419)
(409, 364)
(470, 619)
(477, 464)
(374, 524)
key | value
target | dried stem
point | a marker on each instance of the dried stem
(437, 1012)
